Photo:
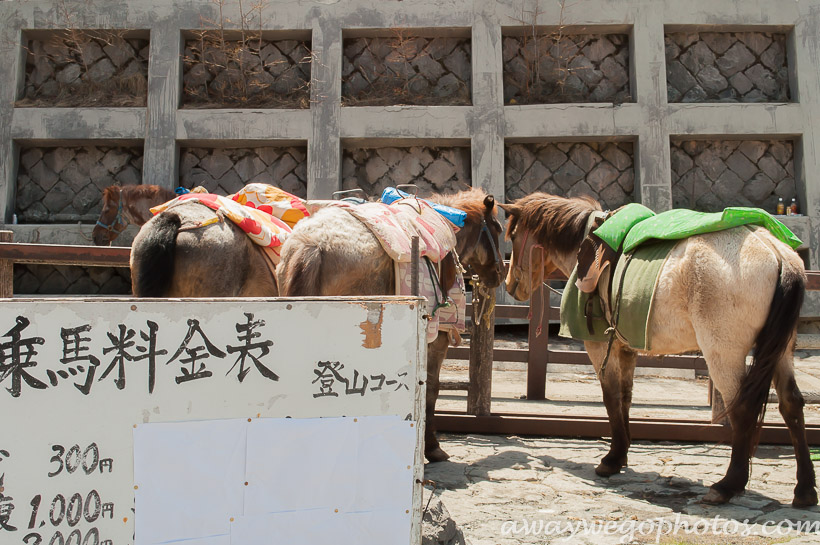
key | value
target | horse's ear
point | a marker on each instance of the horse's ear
(510, 209)
(489, 202)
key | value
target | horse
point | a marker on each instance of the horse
(721, 293)
(124, 205)
(190, 250)
(333, 253)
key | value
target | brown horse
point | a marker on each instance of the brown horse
(721, 293)
(333, 253)
(190, 250)
(124, 205)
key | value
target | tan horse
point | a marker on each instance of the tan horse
(333, 253)
(122, 205)
(190, 250)
(721, 293)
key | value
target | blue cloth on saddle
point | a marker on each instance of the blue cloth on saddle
(454, 215)
(635, 224)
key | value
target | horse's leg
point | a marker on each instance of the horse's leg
(727, 367)
(791, 408)
(616, 385)
(436, 352)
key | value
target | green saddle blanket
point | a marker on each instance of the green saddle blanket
(634, 224)
(636, 302)
(652, 237)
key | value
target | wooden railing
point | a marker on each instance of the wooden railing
(481, 353)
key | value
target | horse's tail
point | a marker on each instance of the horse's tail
(300, 271)
(154, 257)
(770, 346)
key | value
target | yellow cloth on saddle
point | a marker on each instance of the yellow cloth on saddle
(639, 284)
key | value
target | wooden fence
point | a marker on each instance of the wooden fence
(479, 417)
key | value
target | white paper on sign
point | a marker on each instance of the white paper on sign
(300, 463)
(290, 528)
(189, 479)
(384, 464)
(322, 526)
(384, 526)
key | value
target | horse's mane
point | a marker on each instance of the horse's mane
(470, 201)
(555, 222)
(138, 192)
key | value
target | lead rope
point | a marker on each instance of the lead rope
(616, 313)
(533, 247)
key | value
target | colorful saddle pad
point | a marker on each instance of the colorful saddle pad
(394, 225)
(257, 209)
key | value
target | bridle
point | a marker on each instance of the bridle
(498, 261)
(518, 269)
(518, 272)
(118, 220)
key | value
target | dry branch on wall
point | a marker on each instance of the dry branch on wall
(243, 68)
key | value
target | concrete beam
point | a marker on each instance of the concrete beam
(572, 121)
(435, 122)
(45, 124)
(248, 125)
(752, 120)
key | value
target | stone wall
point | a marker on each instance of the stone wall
(576, 68)
(251, 74)
(603, 170)
(432, 169)
(75, 68)
(711, 175)
(64, 184)
(406, 70)
(727, 67)
(56, 280)
(226, 171)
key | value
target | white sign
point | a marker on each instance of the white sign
(203, 388)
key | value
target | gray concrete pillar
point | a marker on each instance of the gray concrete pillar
(803, 63)
(324, 146)
(12, 72)
(160, 162)
(653, 171)
(487, 143)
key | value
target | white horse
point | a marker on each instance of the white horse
(721, 293)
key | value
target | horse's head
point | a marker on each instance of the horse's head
(479, 245)
(112, 222)
(546, 231)
(528, 263)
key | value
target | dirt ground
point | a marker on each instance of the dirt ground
(507, 490)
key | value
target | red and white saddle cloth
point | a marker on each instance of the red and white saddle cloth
(264, 212)
(394, 226)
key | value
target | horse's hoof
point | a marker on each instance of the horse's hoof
(607, 470)
(436, 455)
(716, 497)
(804, 498)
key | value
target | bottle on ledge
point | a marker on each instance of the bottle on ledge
(781, 207)
(793, 207)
